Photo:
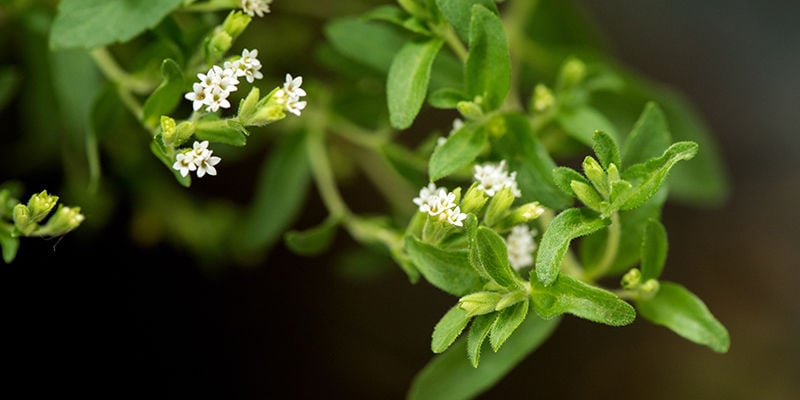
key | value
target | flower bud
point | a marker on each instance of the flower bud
(64, 220)
(522, 215)
(631, 279)
(542, 98)
(474, 199)
(572, 72)
(269, 109)
(169, 132)
(40, 204)
(498, 206)
(479, 303)
(470, 110)
(236, 23)
(22, 220)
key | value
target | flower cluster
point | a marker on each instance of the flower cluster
(256, 7)
(218, 83)
(492, 178)
(291, 93)
(199, 159)
(438, 202)
(520, 246)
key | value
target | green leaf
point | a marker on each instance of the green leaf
(448, 329)
(582, 122)
(448, 270)
(654, 250)
(227, 131)
(405, 163)
(408, 79)
(9, 244)
(96, 23)
(490, 252)
(569, 295)
(529, 158)
(487, 71)
(167, 96)
(567, 225)
(508, 321)
(606, 149)
(370, 44)
(680, 310)
(460, 150)
(281, 187)
(647, 177)
(589, 196)
(649, 137)
(450, 376)
(446, 98)
(478, 332)
(313, 241)
(457, 13)
(563, 177)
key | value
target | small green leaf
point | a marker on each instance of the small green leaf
(460, 150)
(408, 79)
(215, 130)
(596, 175)
(647, 177)
(167, 96)
(491, 254)
(649, 137)
(95, 23)
(654, 250)
(529, 158)
(507, 322)
(448, 270)
(313, 241)
(457, 13)
(606, 149)
(487, 71)
(388, 13)
(478, 332)
(569, 295)
(566, 226)
(446, 98)
(448, 329)
(680, 310)
(281, 186)
(450, 376)
(406, 163)
(582, 122)
(563, 177)
(9, 244)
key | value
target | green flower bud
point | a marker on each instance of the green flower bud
(64, 220)
(542, 98)
(217, 45)
(572, 73)
(40, 204)
(649, 288)
(169, 131)
(522, 215)
(496, 126)
(499, 206)
(479, 303)
(631, 279)
(247, 107)
(22, 220)
(184, 131)
(236, 23)
(269, 109)
(474, 199)
(613, 173)
(470, 110)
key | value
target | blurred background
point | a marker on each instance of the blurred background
(100, 314)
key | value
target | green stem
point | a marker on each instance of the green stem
(109, 67)
(321, 170)
(452, 40)
(213, 5)
(610, 252)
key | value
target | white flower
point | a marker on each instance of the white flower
(247, 66)
(455, 216)
(256, 7)
(197, 96)
(433, 200)
(203, 160)
(292, 86)
(294, 106)
(492, 178)
(184, 162)
(520, 246)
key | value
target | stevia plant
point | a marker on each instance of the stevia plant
(542, 197)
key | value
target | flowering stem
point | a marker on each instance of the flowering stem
(212, 5)
(320, 167)
(109, 67)
(610, 253)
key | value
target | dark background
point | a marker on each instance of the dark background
(105, 318)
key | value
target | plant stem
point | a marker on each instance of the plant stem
(449, 36)
(610, 252)
(321, 169)
(109, 67)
